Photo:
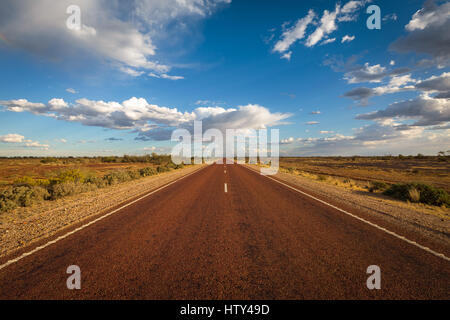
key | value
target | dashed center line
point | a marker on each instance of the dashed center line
(226, 189)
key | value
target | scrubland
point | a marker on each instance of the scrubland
(415, 179)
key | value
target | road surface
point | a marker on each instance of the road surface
(226, 232)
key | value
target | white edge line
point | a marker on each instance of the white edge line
(437, 254)
(92, 222)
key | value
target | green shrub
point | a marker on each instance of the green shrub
(25, 181)
(21, 196)
(49, 160)
(149, 171)
(97, 181)
(171, 165)
(377, 185)
(428, 194)
(161, 169)
(133, 174)
(120, 176)
(70, 175)
(65, 189)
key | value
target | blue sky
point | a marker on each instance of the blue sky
(136, 70)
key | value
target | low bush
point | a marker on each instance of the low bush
(27, 190)
(65, 189)
(424, 193)
(377, 186)
(161, 169)
(49, 160)
(149, 171)
(21, 196)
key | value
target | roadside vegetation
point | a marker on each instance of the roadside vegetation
(415, 179)
(69, 179)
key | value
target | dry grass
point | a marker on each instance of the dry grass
(360, 172)
(14, 169)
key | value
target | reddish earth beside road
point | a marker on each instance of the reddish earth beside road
(258, 240)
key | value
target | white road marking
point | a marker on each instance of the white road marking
(92, 222)
(226, 190)
(437, 254)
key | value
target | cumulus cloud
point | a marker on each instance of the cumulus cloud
(149, 120)
(428, 32)
(349, 11)
(382, 137)
(426, 110)
(287, 141)
(14, 138)
(368, 73)
(121, 33)
(434, 84)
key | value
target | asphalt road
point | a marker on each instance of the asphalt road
(252, 238)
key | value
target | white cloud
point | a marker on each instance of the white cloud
(71, 90)
(12, 138)
(287, 56)
(131, 72)
(429, 15)
(311, 123)
(122, 34)
(149, 120)
(165, 76)
(368, 73)
(428, 111)
(35, 144)
(386, 137)
(349, 11)
(287, 141)
(391, 16)
(15, 138)
(327, 26)
(297, 32)
(347, 38)
(434, 84)
(327, 41)
(428, 33)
